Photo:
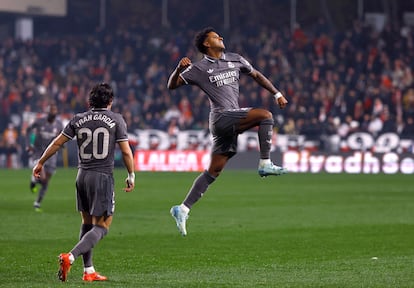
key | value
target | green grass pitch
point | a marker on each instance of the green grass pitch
(297, 230)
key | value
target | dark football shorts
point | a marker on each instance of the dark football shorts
(224, 130)
(95, 193)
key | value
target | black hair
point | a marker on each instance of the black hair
(200, 37)
(101, 95)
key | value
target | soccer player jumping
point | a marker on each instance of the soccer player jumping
(217, 74)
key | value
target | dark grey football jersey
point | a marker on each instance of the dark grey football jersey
(44, 132)
(97, 131)
(219, 79)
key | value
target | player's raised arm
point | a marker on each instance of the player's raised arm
(265, 83)
(175, 81)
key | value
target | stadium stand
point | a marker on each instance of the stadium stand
(336, 80)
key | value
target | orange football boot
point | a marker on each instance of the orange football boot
(95, 276)
(64, 266)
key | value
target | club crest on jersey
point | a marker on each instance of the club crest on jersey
(209, 71)
(231, 65)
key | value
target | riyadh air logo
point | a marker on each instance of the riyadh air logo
(231, 65)
(209, 71)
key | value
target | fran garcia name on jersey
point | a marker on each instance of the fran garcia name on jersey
(96, 117)
(224, 78)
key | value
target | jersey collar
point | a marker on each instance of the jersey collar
(213, 60)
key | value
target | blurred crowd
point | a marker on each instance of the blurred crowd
(336, 82)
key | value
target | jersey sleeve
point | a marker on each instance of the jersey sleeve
(121, 131)
(69, 130)
(189, 75)
(246, 66)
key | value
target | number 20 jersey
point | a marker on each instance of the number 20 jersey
(97, 131)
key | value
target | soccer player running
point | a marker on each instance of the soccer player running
(217, 74)
(97, 132)
(39, 135)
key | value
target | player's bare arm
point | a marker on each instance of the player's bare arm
(265, 83)
(175, 80)
(128, 159)
(53, 147)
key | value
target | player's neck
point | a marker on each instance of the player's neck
(217, 54)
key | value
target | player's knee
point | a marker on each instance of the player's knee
(268, 115)
(268, 120)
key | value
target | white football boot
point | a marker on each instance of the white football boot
(271, 169)
(180, 217)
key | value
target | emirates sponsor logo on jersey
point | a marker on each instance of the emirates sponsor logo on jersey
(224, 78)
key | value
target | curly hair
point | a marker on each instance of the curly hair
(200, 37)
(101, 95)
